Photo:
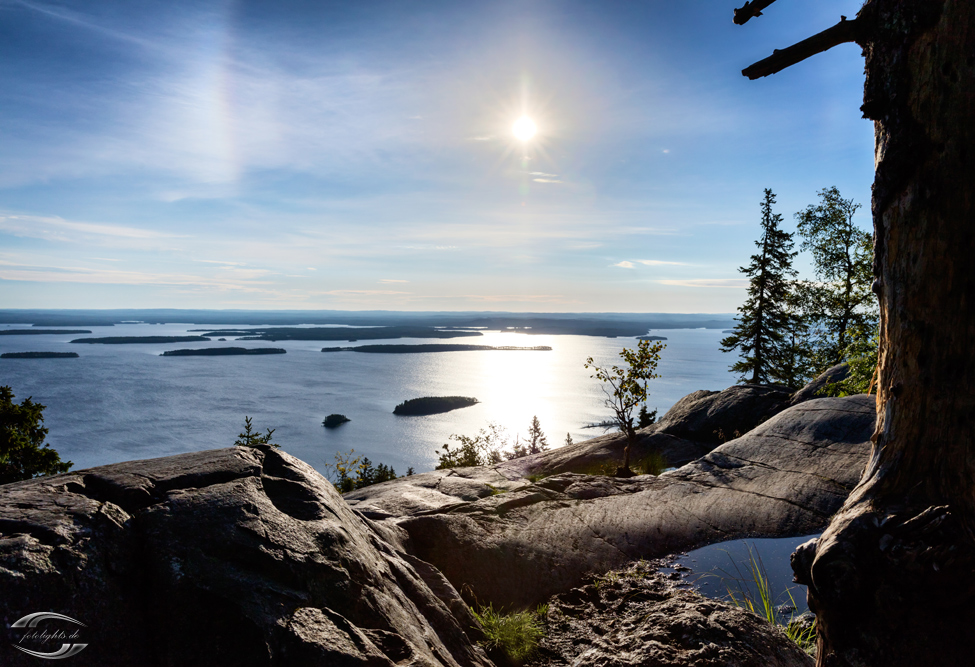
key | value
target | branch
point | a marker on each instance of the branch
(842, 32)
(750, 10)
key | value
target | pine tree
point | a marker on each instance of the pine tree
(763, 319)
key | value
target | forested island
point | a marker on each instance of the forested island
(434, 347)
(125, 340)
(222, 351)
(39, 355)
(341, 333)
(651, 338)
(37, 332)
(432, 405)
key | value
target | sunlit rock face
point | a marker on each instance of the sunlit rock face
(241, 556)
(513, 541)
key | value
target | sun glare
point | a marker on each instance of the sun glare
(524, 128)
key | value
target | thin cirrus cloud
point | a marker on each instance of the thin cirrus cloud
(56, 274)
(51, 228)
(733, 283)
(392, 280)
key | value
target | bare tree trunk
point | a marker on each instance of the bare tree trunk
(892, 579)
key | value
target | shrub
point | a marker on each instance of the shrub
(23, 454)
(350, 472)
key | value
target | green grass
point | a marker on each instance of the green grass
(764, 605)
(652, 464)
(516, 634)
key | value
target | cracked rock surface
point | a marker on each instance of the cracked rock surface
(240, 556)
(637, 617)
(532, 540)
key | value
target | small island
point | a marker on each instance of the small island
(39, 355)
(432, 405)
(124, 340)
(651, 338)
(37, 332)
(222, 351)
(434, 347)
(335, 420)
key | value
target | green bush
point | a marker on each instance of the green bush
(517, 634)
(250, 438)
(23, 454)
(350, 472)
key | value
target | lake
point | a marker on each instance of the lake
(124, 402)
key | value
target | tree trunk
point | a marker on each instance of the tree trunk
(892, 580)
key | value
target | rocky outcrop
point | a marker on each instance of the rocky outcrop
(638, 617)
(511, 541)
(241, 556)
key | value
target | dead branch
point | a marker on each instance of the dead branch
(750, 10)
(842, 32)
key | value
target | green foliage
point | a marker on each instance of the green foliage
(568, 439)
(861, 354)
(759, 334)
(23, 454)
(250, 438)
(840, 300)
(485, 448)
(335, 420)
(628, 385)
(350, 472)
(517, 634)
(645, 418)
(491, 446)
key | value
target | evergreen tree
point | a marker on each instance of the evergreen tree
(763, 320)
(536, 439)
(840, 301)
(23, 453)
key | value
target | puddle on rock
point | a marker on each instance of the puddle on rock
(725, 569)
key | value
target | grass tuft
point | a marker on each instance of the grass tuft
(517, 634)
(764, 605)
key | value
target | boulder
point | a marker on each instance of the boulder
(240, 556)
(523, 541)
(639, 617)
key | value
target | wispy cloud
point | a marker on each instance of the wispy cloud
(735, 283)
(362, 292)
(67, 231)
(546, 180)
(624, 264)
(392, 280)
(56, 274)
(659, 262)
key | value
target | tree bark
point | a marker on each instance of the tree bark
(892, 580)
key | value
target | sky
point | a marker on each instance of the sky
(360, 155)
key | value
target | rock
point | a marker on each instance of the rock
(240, 556)
(638, 617)
(831, 375)
(525, 541)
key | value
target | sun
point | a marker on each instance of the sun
(524, 128)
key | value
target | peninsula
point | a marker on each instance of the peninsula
(433, 347)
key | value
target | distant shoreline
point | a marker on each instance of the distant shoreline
(144, 340)
(434, 347)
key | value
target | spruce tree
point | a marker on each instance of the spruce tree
(763, 319)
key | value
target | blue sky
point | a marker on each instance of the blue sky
(359, 155)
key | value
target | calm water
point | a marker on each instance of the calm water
(124, 402)
(720, 568)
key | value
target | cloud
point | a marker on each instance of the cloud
(658, 262)
(362, 292)
(542, 173)
(391, 280)
(57, 229)
(54, 274)
(734, 283)
(546, 180)
(624, 264)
